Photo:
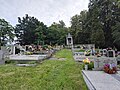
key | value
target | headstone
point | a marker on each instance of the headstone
(105, 52)
(1, 57)
(13, 50)
(111, 53)
(101, 52)
(99, 62)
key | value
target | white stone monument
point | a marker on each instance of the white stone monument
(69, 40)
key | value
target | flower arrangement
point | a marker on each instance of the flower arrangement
(88, 65)
(86, 61)
(110, 68)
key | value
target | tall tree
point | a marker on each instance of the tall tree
(78, 27)
(104, 13)
(27, 30)
(6, 32)
(57, 33)
(95, 25)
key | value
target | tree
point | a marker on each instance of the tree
(41, 33)
(77, 28)
(57, 33)
(6, 32)
(95, 25)
(29, 30)
(104, 14)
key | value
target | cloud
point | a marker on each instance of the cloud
(47, 11)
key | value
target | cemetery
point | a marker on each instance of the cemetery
(93, 61)
(60, 45)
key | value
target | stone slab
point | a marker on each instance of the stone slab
(102, 81)
(26, 57)
(82, 57)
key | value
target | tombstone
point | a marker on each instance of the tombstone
(105, 52)
(1, 57)
(99, 62)
(101, 52)
(12, 50)
(111, 53)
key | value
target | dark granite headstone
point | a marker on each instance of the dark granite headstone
(111, 53)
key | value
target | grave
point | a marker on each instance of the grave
(85, 46)
(99, 62)
(21, 57)
(80, 55)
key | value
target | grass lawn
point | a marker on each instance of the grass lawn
(50, 75)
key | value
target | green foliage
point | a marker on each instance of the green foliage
(77, 28)
(45, 47)
(6, 32)
(81, 50)
(57, 33)
(104, 15)
(99, 25)
(30, 30)
(9, 62)
(90, 66)
(50, 75)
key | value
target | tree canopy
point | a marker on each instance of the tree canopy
(31, 31)
(6, 32)
(99, 25)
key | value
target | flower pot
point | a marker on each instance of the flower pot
(86, 67)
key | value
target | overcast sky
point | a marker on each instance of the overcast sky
(47, 11)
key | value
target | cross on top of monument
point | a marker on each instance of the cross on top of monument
(69, 35)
